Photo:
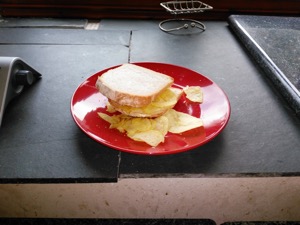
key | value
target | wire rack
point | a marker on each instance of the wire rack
(183, 7)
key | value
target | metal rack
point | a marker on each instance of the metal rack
(180, 8)
(185, 7)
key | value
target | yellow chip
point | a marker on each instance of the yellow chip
(106, 117)
(151, 131)
(151, 137)
(162, 124)
(167, 99)
(194, 93)
(110, 108)
(180, 122)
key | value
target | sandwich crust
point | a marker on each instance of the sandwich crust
(132, 85)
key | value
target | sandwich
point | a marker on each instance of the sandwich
(141, 102)
(137, 91)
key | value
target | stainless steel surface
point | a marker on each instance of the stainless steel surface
(15, 75)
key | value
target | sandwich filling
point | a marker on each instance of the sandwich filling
(159, 106)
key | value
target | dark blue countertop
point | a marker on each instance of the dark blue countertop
(40, 143)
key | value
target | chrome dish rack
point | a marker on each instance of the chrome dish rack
(184, 7)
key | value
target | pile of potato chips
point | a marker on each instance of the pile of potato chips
(153, 130)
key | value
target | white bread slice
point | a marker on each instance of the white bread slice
(132, 85)
(158, 107)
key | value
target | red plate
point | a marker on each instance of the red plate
(214, 111)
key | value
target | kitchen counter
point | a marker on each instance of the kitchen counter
(273, 42)
(40, 143)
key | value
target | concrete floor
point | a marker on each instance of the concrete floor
(219, 199)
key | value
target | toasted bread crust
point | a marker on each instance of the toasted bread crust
(133, 85)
